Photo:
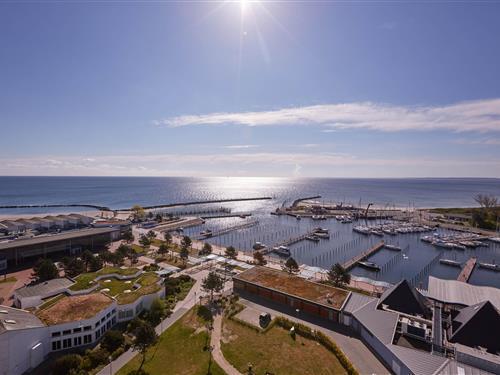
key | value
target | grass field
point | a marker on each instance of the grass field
(10, 279)
(180, 351)
(276, 352)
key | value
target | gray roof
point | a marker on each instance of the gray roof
(55, 237)
(356, 301)
(419, 362)
(379, 322)
(44, 289)
(455, 368)
(457, 292)
(13, 319)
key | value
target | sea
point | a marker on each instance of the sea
(417, 261)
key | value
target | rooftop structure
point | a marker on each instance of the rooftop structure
(46, 288)
(74, 308)
(404, 298)
(295, 286)
(477, 326)
(459, 293)
(12, 319)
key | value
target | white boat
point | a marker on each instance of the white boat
(490, 266)
(320, 230)
(313, 238)
(282, 250)
(298, 217)
(450, 262)
(206, 233)
(347, 220)
(389, 231)
(428, 239)
(495, 239)
(458, 246)
(377, 232)
(322, 235)
(362, 230)
(370, 265)
(258, 246)
(444, 245)
(392, 247)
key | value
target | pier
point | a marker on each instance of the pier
(199, 202)
(365, 254)
(287, 242)
(297, 201)
(243, 215)
(222, 231)
(467, 270)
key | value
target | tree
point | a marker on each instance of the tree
(95, 264)
(206, 250)
(291, 266)
(151, 235)
(112, 340)
(138, 212)
(87, 257)
(75, 267)
(106, 256)
(124, 250)
(231, 252)
(212, 283)
(45, 269)
(145, 337)
(138, 372)
(168, 238)
(258, 257)
(184, 254)
(338, 275)
(157, 311)
(486, 201)
(186, 242)
(65, 364)
(145, 241)
(163, 249)
(128, 236)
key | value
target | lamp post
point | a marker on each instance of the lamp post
(110, 365)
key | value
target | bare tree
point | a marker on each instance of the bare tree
(486, 201)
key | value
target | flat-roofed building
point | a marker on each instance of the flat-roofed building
(13, 226)
(30, 223)
(32, 295)
(71, 242)
(295, 292)
(59, 222)
(85, 220)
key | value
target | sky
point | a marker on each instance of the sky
(253, 88)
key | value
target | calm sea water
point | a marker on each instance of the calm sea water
(123, 192)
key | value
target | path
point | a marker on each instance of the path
(216, 348)
(179, 310)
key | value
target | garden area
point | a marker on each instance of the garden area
(276, 352)
(181, 350)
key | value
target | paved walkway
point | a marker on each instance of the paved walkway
(179, 310)
(216, 349)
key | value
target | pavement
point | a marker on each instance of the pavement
(179, 310)
(350, 343)
(217, 354)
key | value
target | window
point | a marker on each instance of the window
(56, 334)
(125, 314)
(108, 324)
(77, 330)
(103, 319)
(77, 341)
(56, 345)
(67, 332)
(87, 328)
(87, 339)
(97, 324)
(113, 321)
(113, 311)
(97, 334)
(108, 314)
(66, 343)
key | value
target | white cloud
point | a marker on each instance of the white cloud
(252, 164)
(239, 147)
(480, 115)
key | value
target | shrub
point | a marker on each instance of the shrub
(112, 340)
(63, 365)
(118, 352)
(97, 357)
(204, 313)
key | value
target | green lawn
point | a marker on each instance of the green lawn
(275, 351)
(86, 280)
(179, 351)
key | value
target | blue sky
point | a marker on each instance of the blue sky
(277, 89)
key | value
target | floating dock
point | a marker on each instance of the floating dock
(365, 254)
(467, 270)
(228, 229)
(243, 215)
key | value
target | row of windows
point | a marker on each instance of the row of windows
(68, 331)
(68, 343)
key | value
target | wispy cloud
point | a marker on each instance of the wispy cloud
(479, 116)
(240, 147)
(251, 164)
(482, 141)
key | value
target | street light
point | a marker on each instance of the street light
(110, 365)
